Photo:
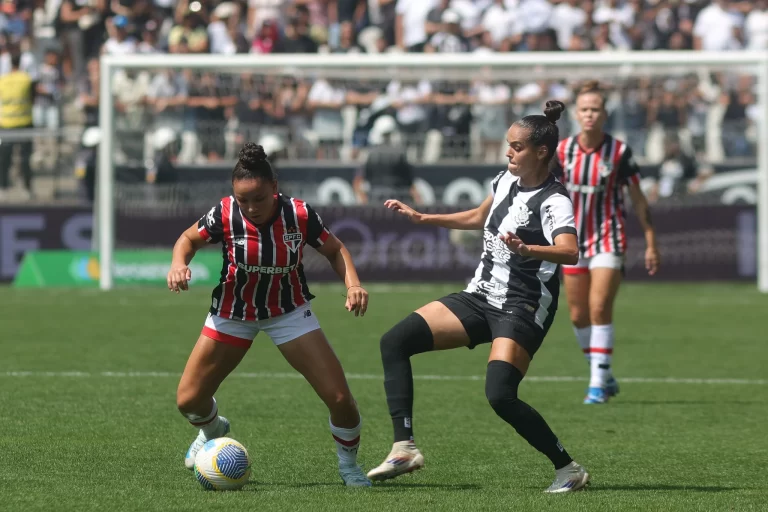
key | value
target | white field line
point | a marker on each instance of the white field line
(370, 376)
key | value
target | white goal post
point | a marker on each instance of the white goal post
(580, 65)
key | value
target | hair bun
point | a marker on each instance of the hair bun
(553, 110)
(252, 154)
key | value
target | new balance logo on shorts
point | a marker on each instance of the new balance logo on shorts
(307, 313)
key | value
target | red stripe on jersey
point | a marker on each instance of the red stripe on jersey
(302, 219)
(607, 212)
(281, 260)
(594, 159)
(226, 308)
(561, 150)
(252, 257)
(204, 233)
(576, 196)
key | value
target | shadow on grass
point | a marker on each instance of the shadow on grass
(389, 486)
(660, 487)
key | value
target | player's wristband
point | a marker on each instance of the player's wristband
(354, 286)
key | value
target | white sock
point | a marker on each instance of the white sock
(208, 424)
(583, 336)
(601, 353)
(347, 442)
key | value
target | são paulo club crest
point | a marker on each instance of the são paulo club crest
(293, 239)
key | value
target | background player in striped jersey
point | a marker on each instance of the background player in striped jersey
(263, 288)
(528, 231)
(596, 168)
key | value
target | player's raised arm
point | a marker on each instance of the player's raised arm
(469, 220)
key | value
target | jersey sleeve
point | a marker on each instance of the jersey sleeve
(557, 217)
(629, 171)
(317, 232)
(210, 225)
(495, 182)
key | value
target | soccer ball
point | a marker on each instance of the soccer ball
(222, 464)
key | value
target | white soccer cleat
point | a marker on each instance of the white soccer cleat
(201, 439)
(572, 477)
(353, 476)
(404, 458)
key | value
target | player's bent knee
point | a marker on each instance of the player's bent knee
(410, 336)
(188, 400)
(601, 313)
(501, 382)
(580, 318)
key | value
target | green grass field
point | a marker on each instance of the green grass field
(108, 437)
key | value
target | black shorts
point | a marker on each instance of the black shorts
(485, 323)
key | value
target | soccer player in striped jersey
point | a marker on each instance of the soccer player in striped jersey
(263, 288)
(528, 232)
(596, 168)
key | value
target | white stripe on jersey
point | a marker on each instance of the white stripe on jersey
(544, 274)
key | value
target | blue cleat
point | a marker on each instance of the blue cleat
(596, 396)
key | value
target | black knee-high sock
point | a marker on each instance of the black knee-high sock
(411, 336)
(501, 383)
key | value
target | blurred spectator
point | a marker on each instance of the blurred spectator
(410, 24)
(190, 36)
(449, 38)
(17, 93)
(386, 174)
(568, 18)
(619, 16)
(325, 101)
(119, 42)
(48, 92)
(678, 173)
(718, 28)
(295, 39)
(756, 27)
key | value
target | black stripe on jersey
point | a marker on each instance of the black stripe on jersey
(267, 248)
(606, 152)
(241, 277)
(617, 207)
(286, 289)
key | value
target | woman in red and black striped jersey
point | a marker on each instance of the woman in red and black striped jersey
(596, 168)
(263, 288)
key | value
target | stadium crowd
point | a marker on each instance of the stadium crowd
(703, 116)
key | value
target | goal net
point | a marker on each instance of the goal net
(172, 125)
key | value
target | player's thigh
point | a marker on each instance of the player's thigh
(606, 276)
(208, 365)
(311, 355)
(303, 344)
(516, 337)
(456, 320)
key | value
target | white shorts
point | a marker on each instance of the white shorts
(601, 260)
(281, 329)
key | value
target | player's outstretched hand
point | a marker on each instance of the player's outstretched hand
(514, 243)
(652, 260)
(178, 278)
(357, 300)
(404, 209)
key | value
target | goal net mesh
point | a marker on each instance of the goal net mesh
(177, 133)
